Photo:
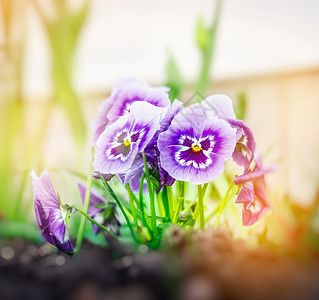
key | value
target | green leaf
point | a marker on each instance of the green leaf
(14, 229)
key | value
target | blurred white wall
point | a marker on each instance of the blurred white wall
(133, 37)
(254, 38)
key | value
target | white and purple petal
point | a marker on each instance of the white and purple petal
(196, 153)
(221, 105)
(122, 140)
(135, 90)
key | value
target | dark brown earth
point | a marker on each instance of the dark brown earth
(202, 266)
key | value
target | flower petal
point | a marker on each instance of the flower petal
(215, 140)
(221, 105)
(45, 198)
(113, 155)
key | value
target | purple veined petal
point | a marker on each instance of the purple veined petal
(57, 226)
(245, 147)
(58, 231)
(196, 154)
(136, 91)
(49, 213)
(109, 157)
(43, 222)
(146, 116)
(44, 192)
(121, 141)
(221, 105)
(125, 92)
(45, 198)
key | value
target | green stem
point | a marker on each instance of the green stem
(223, 203)
(85, 215)
(164, 198)
(141, 201)
(160, 204)
(196, 212)
(180, 201)
(201, 206)
(140, 194)
(131, 197)
(119, 204)
(151, 194)
(80, 235)
(171, 202)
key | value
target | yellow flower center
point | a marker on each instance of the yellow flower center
(196, 147)
(127, 141)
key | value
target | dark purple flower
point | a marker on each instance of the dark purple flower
(98, 213)
(126, 91)
(50, 214)
(122, 140)
(222, 107)
(196, 145)
(253, 193)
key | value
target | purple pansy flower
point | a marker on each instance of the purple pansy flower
(122, 140)
(134, 174)
(125, 92)
(196, 145)
(97, 214)
(222, 107)
(50, 214)
(253, 193)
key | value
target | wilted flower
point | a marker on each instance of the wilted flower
(126, 91)
(196, 145)
(101, 211)
(122, 140)
(222, 106)
(253, 193)
(50, 214)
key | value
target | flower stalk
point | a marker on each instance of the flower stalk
(85, 215)
(151, 194)
(131, 197)
(80, 235)
(223, 203)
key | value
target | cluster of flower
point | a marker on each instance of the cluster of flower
(138, 126)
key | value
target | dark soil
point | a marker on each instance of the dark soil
(206, 265)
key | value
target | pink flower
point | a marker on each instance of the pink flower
(253, 193)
